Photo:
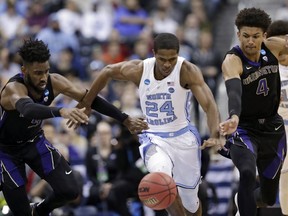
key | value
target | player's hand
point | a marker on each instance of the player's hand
(229, 126)
(218, 143)
(74, 125)
(135, 125)
(75, 115)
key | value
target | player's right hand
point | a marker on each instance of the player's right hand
(135, 125)
(229, 126)
(218, 143)
(75, 115)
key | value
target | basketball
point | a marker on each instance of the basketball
(157, 190)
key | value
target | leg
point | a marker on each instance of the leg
(198, 212)
(245, 162)
(13, 183)
(268, 191)
(17, 200)
(191, 202)
(64, 188)
(178, 207)
(284, 192)
(157, 160)
(118, 196)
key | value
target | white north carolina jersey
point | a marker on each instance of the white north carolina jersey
(283, 108)
(165, 103)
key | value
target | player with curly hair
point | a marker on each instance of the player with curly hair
(24, 103)
(256, 136)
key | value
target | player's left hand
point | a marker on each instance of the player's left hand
(135, 125)
(218, 143)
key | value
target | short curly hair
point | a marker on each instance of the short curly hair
(34, 51)
(253, 17)
(278, 28)
(166, 41)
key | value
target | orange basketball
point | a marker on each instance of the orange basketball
(157, 190)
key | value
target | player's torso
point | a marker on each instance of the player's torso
(260, 85)
(165, 103)
(14, 127)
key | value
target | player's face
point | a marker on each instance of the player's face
(250, 40)
(36, 75)
(166, 60)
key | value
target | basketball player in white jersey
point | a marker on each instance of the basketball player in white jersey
(280, 28)
(171, 144)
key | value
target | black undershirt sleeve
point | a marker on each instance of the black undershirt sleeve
(234, 93)
(104, 107)
(29, 109)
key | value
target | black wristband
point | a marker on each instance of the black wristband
(234, 93)
(29, 109)
(104, 107)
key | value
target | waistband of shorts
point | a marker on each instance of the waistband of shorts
(18, 143)
(258, 120)
(171, 134)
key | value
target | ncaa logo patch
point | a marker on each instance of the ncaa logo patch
(46, 94)
(171, 90)
(263, 52)
(146, 81)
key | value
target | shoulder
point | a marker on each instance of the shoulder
(232, 57)
(59, 83)
(276, 45)
(136, 64)
(190, 74)
(188, 67)
(231, 60)
(57, 79)
(15, 86)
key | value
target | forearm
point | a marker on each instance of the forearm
(213, 120)
(104, 107)
(31, 110)
(98, 84)
(234, 93)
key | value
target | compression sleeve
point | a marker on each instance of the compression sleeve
(234, 93)
(29, 109)
(102, 106)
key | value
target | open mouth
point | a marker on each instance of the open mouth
(43, 85)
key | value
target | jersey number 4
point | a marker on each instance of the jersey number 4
(262, 87)
(152, 108)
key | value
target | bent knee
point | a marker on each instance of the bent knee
(69, 194)
(248, 176)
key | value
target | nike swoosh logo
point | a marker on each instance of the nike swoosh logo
(68, 172)
(277, 128)
(248, 68)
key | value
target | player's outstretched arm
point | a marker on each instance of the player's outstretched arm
(191, 77)
(232, 68)
(117, 72)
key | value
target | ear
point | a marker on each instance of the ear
(265, 35)
(238, 34)
(23, 69)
